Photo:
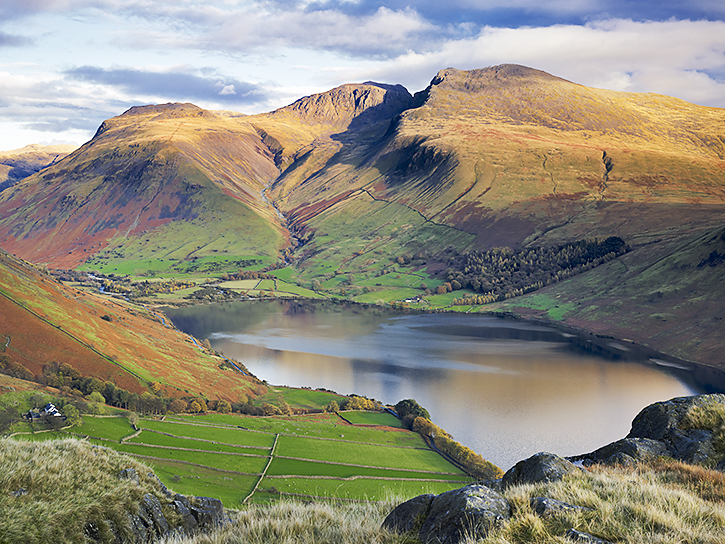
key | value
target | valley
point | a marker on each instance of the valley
(478, 195)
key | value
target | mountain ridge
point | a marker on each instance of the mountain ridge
(354, 180)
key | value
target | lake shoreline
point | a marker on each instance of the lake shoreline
(701, 375)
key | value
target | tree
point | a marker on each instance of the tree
(223, 407)
(133, 419)
(411, 406)
(96, 397)
(194, 407)
(178, 405)
(332, 406)
(8, 416)
(72, 415)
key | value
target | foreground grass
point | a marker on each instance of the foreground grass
(50, 491)
(298, 523)
(664, 502)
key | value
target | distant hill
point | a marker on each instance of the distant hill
(18, 164)
(352, 182)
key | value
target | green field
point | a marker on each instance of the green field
(224, 455)
(361, 417)
(361, 489)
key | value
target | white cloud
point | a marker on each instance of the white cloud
(669, 57)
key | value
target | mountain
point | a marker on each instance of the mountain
(355, 181)
(161, 184)
(18, 164)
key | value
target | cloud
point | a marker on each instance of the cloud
(170, 85)
(679, 58)
(9, 40)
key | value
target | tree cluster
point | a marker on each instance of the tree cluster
(410, 408)
(356, 402)
(501, 273)
(474, 464)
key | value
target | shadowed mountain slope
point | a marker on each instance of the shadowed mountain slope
(18, 164)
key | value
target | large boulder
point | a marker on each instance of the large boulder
(408, 516)
(542, 467)
(667, 422)
(450, 517)
(623, 452)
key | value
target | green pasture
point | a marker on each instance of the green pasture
(109, 428)
(287, 467)
(238, 285)
(304, 398)
(187, 479)
(360, 454)
(222, 455)
(158, 439)
(388, 295)
(361, 489)
(227, 435)
(221, 461)
(362, 417)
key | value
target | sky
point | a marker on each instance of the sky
(66, 65)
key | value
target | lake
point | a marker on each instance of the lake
(507, 389)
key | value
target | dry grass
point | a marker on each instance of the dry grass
(665, 502)
(50, 491)
(288, 522)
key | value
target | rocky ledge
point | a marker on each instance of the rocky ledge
(188, 515)
(684, 428)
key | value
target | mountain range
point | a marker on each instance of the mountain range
(355, 180)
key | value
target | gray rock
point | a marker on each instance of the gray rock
(720, 466)
(164, 489)
(470, 511)
(152, 516)
(408, 516)
(664, 421)
(19, 492)
(624, 452)
(208, 512)
(543, 506)
(188, 521)
(128, 474)
(542, 467)
(578, 536)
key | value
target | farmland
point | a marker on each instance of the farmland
(261, 459)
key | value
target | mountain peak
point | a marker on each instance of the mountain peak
(342, 104)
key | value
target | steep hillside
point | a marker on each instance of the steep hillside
(165, 184)
(43, 321)
(511, 156)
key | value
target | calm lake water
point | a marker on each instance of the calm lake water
(504, 388)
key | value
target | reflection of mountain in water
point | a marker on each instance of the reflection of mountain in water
(499, 333)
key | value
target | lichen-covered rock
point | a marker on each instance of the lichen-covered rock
(544, 506)
(129, 474)
(152, 515)
(408, 516)
(470, 511)
(188, 522)
(542, 467)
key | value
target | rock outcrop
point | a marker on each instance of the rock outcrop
(152, 519)
(450, 517)
(666, 428)
(542, 467)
